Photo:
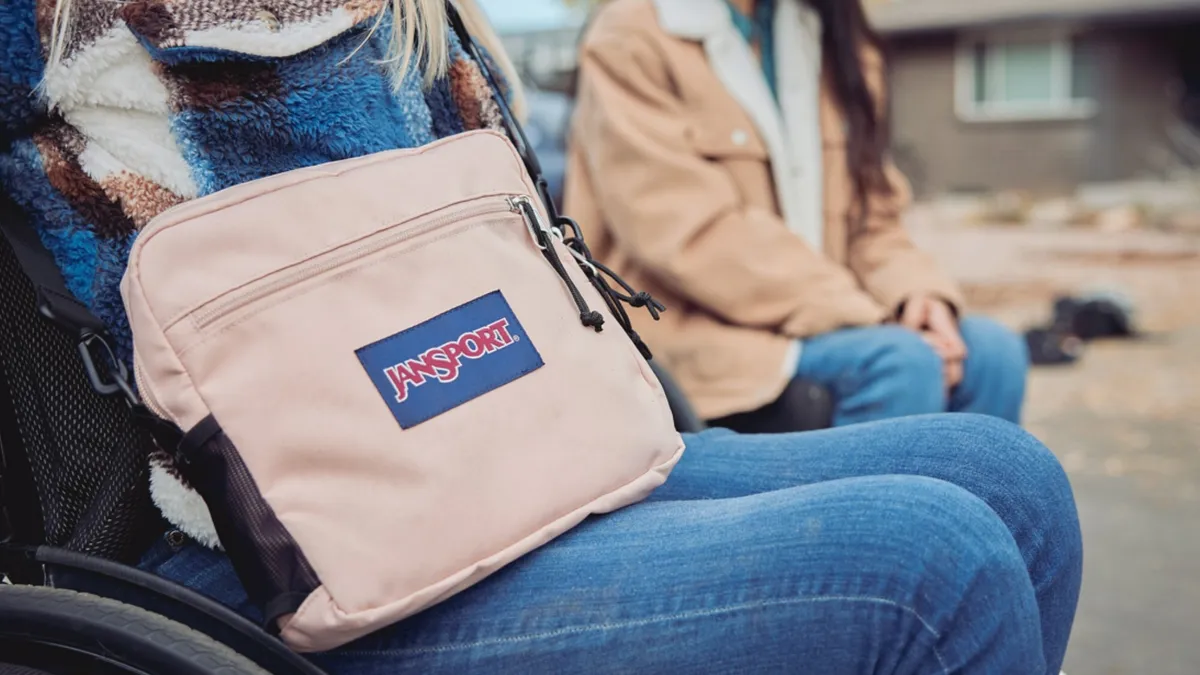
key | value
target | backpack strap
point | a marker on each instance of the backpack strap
(54, 301)
(106, 373)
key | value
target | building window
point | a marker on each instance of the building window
(1021, 77)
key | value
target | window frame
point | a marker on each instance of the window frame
(1063, 106)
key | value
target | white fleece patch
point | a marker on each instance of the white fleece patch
(132, 141)
(113, 70)
(182, 506)
(109, 91)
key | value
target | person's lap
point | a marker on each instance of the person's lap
(835, 552)
(882, 372)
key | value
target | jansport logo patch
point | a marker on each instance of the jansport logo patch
(444, 363)
(450, 360)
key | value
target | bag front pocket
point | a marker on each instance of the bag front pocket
(348, 255)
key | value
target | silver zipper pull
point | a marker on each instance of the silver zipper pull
(524, 206)
(542, 239)
(517, 202)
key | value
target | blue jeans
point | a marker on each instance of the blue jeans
(882, 372)
(940, 544)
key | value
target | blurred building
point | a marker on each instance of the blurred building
(541, 36)
(1035, 95)
(1042, 95)
(546, 57)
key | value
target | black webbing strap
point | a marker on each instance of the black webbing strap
(515, 132)
(54, 301)
(595, 272)
(106, 373)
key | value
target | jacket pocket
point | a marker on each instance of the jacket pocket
(740, 152)
(728, 143)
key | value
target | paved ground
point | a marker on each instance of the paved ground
(1125, 421)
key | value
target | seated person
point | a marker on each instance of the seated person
(729, 157)
(930, 544)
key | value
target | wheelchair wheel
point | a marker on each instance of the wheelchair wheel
(49, 631)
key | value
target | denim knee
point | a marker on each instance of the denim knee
(1014, 451)
(1016, 466)
(935, 551)
(939, 526)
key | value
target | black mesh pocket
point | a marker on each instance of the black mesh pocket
(73, 465)
(270, 564)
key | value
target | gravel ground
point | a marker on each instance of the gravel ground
(1125, 421)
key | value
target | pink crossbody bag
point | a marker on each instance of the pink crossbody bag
(394, 375)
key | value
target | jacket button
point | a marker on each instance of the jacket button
(740, 138)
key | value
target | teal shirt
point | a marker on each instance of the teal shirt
(760, 28)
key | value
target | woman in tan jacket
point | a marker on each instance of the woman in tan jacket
(729, 155)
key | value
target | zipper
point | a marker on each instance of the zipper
(595, 272)
(144, 392)
(352, 252)
(543, 237)
(148, 415)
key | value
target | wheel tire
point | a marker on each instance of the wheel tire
(115, 631)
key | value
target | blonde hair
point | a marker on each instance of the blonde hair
(419, 36)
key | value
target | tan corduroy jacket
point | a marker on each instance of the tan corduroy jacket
(683, 179)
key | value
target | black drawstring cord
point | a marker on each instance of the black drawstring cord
(611, 298)
(635, 299)
(587, 316)
(590, 318)
(596, 273)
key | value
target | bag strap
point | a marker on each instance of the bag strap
(515, 131)
(564, 228)
(54, 301)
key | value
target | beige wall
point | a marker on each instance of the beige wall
(942, 153)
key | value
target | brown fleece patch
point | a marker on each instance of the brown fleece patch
(361, 10)
(64, 173)
(464, 89)
(167, 462)
(196, 15)
(473, 96)
(89, 19)
(152, 20)
(141, 199)
(205, 86)
(490, 112)
(43, 12)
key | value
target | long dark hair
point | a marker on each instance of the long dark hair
(846, 32)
